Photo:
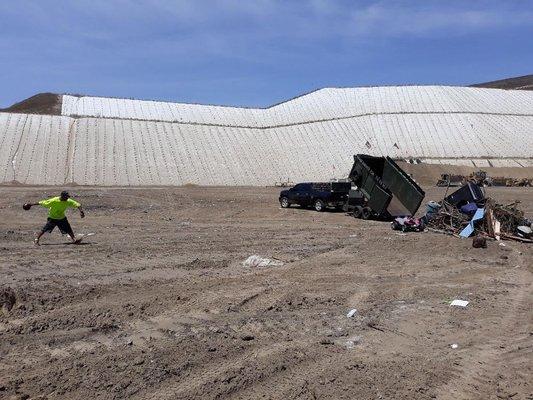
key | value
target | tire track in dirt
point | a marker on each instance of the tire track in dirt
(482, 370)
(234, 374)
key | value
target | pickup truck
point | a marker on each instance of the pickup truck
(319, 195)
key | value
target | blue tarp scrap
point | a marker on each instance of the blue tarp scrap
(469, 229)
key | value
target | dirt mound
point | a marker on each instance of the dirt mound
(42, 103)
(7, 298)
(520, 82)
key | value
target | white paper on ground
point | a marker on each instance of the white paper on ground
(257, 261)
(351, 313)
(459, 303)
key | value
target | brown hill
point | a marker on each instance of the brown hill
(42, 103)
(520, 82)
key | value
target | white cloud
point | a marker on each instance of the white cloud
(257, 20)
(393, 18)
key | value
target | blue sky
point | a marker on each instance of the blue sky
(255, 52)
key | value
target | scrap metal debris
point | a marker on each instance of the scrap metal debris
(481, 178)
(468, 212)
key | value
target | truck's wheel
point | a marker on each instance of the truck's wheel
(367, 212)
(284, 202)
(357, 211)
(319, 205)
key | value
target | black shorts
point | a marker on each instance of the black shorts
(62, 224)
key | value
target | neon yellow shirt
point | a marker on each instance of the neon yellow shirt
(57, 207)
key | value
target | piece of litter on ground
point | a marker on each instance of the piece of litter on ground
(351, 313)
(459, 303)
(454, 346)
(257, 261)
(352, 342)
(501, 244)
(353, 235)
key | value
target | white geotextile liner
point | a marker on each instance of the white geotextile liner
(322, 104)
(313, 137)
(95, 151)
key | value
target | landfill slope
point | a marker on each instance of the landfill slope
(34, 148)
(157, 304)
(321, 105)
(122, 142)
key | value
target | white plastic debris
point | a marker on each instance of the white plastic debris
(502, 244)
(257, 261)
(459, 303)
(454, 346)
(351, 313)
(524, 231)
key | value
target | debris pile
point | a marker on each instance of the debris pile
(481, 178)
(467, 212)
(506, 221)
(408, 224)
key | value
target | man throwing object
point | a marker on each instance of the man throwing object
(56, 215)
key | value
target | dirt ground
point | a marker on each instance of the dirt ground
(157, 304)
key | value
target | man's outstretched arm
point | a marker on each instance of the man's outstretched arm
(82, 213)
(32, 204)
(43, 203)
